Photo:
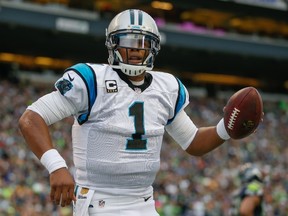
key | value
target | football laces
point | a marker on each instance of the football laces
(233, 118)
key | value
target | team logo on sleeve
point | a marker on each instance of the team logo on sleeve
(64, 86)
(111, 86)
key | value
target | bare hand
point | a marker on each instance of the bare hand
(62, 187)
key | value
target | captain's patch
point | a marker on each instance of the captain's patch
(111, 86)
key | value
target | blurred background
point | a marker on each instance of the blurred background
(214, 46)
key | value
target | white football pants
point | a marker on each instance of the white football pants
(89, 204)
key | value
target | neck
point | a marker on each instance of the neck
(137, 83)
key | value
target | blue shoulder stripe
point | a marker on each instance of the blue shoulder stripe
(88, 76)
(180, 100)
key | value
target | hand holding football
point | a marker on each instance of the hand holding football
(243, 113)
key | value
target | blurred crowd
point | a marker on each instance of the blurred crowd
(185, 185)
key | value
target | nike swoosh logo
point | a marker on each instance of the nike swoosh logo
(71, 79)
(147, 198)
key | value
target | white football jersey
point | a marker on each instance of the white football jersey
(118, 130)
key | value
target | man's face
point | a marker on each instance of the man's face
(133, 56)
(134, 48)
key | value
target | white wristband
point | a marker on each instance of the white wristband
(52, 160)
(221, 131)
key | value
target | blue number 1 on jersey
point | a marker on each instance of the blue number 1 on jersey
(137, 143)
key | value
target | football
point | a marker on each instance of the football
(243, 112)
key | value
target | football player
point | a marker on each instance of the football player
(248, 200)
(121, 110)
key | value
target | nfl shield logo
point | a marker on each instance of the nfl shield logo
(101, 203)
